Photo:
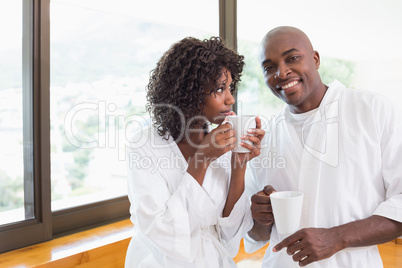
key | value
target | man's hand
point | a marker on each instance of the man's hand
(261, 211)
(261, 208)
(311, 245)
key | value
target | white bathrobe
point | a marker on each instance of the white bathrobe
(178, 223)
(346, 156)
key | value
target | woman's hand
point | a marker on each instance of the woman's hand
(256, 136)
(216, 143)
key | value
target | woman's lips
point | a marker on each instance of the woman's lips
(226, 113)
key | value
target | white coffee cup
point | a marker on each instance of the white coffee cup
(287, 209)
(240, 124)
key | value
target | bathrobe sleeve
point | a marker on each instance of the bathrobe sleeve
(389, 120)
(233, 228)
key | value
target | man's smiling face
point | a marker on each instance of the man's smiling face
(290, 68)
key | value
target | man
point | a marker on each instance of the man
(341, 147)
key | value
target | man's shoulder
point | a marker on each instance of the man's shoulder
(367, 104)
(359, 96)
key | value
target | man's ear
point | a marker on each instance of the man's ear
(316, 57)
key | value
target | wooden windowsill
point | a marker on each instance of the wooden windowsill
(106, 246)
(103, 246)
(93, 245)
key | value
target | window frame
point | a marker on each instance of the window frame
(36, 85)
(228, 28)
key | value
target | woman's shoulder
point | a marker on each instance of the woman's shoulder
(148, 139)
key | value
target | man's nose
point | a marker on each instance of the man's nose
(282, 71)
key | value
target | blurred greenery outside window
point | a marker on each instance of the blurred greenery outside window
(12, 140)
(356, 47)
(100, 64)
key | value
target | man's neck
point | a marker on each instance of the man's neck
(311, 105)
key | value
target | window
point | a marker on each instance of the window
(100, 63)
(357, 47)
(72, 90)
(12, 129)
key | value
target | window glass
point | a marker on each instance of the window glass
(357, 46)
(15, 133)
(101, 56)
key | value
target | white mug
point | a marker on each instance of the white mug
(240, 124)
(287, 209)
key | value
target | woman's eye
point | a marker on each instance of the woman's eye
(220, 90)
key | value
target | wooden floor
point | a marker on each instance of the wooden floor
(391, 254)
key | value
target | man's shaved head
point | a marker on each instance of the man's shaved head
(288, 31)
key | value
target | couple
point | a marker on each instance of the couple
(195, 213)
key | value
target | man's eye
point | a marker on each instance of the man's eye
(294, 58)
(268, 69)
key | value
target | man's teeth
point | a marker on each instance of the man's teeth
(291, 84)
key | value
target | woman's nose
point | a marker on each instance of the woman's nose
(230, 100)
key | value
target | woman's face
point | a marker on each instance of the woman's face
(218, 105)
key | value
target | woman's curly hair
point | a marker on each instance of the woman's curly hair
(183, 76)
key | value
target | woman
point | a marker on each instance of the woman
(186, 188)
